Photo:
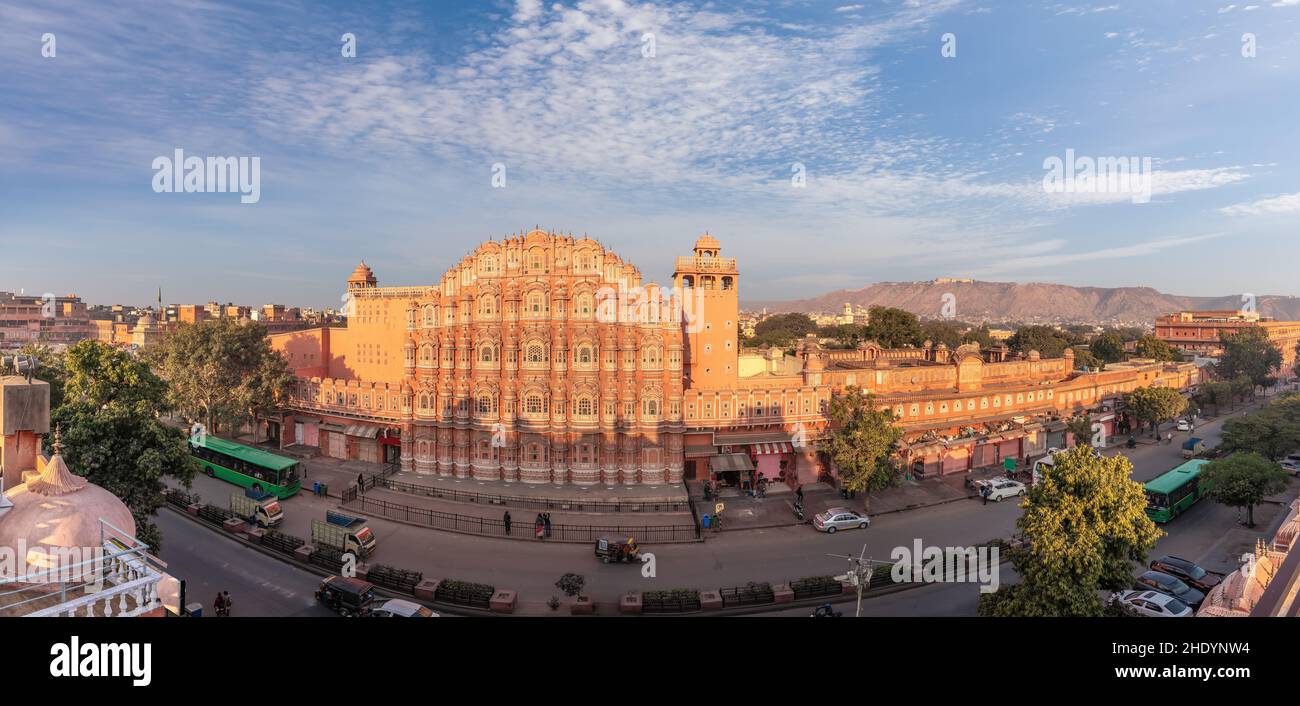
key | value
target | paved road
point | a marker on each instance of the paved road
(259, 585)
(728, 559)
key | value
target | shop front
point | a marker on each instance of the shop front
(772, 461)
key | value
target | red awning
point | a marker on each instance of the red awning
(774, 448)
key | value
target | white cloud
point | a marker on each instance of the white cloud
(1284, 204)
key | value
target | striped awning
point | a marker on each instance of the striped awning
(363, 431)
(773, 448)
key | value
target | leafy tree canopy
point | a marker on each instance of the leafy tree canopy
(1243, 480)
(1249, 354)
(862, 441)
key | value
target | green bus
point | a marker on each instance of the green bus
(1173, 492)
(246, 466)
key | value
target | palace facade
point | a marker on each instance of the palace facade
(545, 358)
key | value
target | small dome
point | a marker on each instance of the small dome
(707, 242)
(58, 510)
(362, 274)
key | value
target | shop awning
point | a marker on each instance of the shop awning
(730, 462)
(333, 427)
(362, 430)
(776, 448)
(744, 438)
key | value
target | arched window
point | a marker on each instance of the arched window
(535, 353)
(487, 305)
(533, 404)
(429, 315)
(650, 408)
(426, 354)
(488, 353)
(582, 305)
(424, 401)
(583, 355)
(536, 303)
(650, 357)
(486, 404)
(585, 407)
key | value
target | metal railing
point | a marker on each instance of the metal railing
(469, 524)
(575, 505)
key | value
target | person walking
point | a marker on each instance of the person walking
(225, 595)
(361, 483)
(218, 605)
(546, 524)
(506, 521)
(798, 493)
(984, 493)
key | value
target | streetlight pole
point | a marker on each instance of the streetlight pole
(859, 574)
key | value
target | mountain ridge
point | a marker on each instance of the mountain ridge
(1028, 302)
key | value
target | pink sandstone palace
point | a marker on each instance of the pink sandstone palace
(513, 368)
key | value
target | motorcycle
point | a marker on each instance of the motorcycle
(709, 493)
(798, 512)
(826, 611)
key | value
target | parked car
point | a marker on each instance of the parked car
(838, 518)
(1000, 488)
(1188, 572)
(1291, 467)
(349, 597)
(1171, 585)
(400, 608)
(1184, 425)
(1154, 604)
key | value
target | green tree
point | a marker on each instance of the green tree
(979, 335)
(1080, 427)
(1087, 527)
(1049, 342)
(1249, 354)
(862, 441)
(948, 333)
(1243, 480)
(1214, 393)
(112, 435)
(894, 328)
(221, 371)
(1155, 405)
(1272, 432)
(1109, 347)
(1151, 347)
(1083, 359)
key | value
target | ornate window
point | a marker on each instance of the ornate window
(650, 408)
(430, 315)
(487, 305)
(585, 407)
(487, 353)
(651, 357)
(426, 354)
(582, 305)
(533, 404)
(486, 404)
(536, 304)
(583, 355)
(535, 353)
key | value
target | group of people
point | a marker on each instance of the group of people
(221, 606)
(541, 526)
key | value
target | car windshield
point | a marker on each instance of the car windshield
(1176, 586)
(1175, 606)
(1195, 571)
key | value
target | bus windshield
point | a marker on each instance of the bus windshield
(1157, 500)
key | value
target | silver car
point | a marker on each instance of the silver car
(838, 518)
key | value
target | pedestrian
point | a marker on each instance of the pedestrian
(984, 493)
(228, 602)
(798, 493)
(361, 483)
(506, 521)
(546, 523)
(218, 605)
(537, 527)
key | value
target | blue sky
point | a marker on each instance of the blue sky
(917, 165)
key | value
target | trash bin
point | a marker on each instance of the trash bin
(315, 488)
(325, 489)
(704, 521)
(194, 610)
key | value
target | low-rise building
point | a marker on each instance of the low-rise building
(1197, 333)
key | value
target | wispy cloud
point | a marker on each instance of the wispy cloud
(1284, 204)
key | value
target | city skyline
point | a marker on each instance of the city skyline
(915, 164)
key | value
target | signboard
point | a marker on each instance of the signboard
(1008, 464)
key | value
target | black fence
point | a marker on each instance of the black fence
(215, 514)
(394, 578)
(328, 558)
(281, 542)
(180, 498)
(469, 524)
(750, 594)
(816, 586)
(477, 595)
(678, 600)
(575, 505)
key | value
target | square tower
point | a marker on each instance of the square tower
(710, 291)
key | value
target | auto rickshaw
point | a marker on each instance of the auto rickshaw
(618, 552)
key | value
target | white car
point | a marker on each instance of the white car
(838, 518)
(1154, 604)
(1000, 488)
(398, 608)
(1291, 467)
(1184, 425)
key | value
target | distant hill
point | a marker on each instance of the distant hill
(1032, 302)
